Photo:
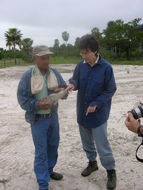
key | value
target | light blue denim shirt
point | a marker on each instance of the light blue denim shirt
(43, 93)
(28, 101)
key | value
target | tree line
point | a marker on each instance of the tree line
(118, 40)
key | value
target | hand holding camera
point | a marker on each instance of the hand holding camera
(138, 111)
(131, 123)
(133, 119)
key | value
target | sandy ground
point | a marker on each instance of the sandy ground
(17, 150)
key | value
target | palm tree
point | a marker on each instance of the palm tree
(76, 42)
(65, 36)
(13, 38)
(56, 46)
(26, 46)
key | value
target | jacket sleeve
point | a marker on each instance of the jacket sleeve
(75, 78)
(25, 99)
(109, 89)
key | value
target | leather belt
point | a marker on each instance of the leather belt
(44, 115)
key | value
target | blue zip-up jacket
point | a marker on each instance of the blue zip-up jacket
(96, 86)
(28, 101)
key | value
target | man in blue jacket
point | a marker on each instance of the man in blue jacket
(34, 87)
(94, 79)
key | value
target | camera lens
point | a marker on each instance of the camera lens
(137, 112)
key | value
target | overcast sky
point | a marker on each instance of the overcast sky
(45, 20)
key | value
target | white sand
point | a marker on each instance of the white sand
(17, 150)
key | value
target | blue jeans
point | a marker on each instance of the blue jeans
(45, 133)
(97, 136)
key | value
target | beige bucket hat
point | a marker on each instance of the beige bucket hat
(41, 51)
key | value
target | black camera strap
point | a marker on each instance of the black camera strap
(139, 159)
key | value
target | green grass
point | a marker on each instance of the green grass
(53, 60)
(11, 63)
(66, 60)
(4, 181)
(126, 62)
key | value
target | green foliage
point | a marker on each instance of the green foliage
(65, 36)
(26, 47)
(122, 37)
(55, 48)
(4, 181)
(77, 42)
(1, 53)
(118, 41)
(13, 38)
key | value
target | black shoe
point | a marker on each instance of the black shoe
(111, 183)
(56, 176)
(44, 189)
(92, 166)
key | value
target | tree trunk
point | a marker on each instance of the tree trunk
(14, 55)
(127, 54)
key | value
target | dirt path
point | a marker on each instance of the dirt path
(17, 150)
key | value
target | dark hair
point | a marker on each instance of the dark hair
(88, 41)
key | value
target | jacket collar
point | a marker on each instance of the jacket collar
(97, 61)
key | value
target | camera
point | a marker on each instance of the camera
(138, 111)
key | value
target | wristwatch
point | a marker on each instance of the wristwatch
(139, 131)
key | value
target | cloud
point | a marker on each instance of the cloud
(44, 20)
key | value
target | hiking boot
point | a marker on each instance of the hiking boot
(111, 183)
(92, 166)
(56, 176)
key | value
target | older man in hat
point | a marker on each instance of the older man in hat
(35, 86)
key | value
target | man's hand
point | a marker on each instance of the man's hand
(91, 109)
(131, 123)
(70, 87)
(58, 90)
(43, 104)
